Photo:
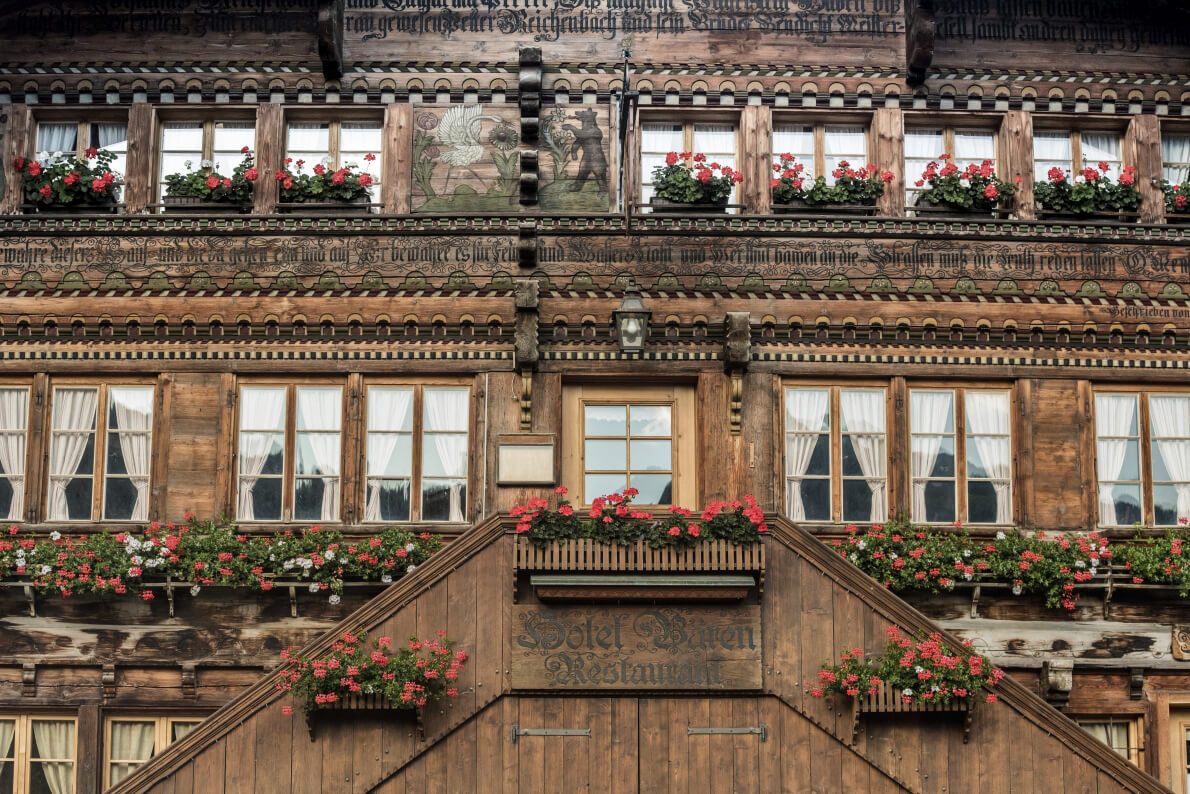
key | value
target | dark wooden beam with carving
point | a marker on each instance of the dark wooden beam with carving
(330, 38)
(920, 25)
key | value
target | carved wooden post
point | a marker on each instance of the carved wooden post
(396, 184)
(270, 151)
(756, 124)
(138, 176)
(737, 353)
(1016, 158)
(1142, 148)
(525, 345)
(17, 134)
(888, 138)
(529, 81)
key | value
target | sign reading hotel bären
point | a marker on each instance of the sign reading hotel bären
(636, 647)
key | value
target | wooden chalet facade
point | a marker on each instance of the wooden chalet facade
(450, 345)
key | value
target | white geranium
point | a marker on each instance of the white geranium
(55, 535)
(334, 599)
(287, 565)
(135, 559)
(46, 569)
(1000, 536)
(1016, 589)
(330, 555)
(314, 587)
(411, 569)
(1079, 564)
(861, 545)
(386, 579)
(411, 547)
(907, 692)
(195, 590)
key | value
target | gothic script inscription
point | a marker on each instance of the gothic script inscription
(646, 647)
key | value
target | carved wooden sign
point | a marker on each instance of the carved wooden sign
(627, 647)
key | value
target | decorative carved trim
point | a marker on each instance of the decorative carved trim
(1057, 679)
(1181, 642)
(529, 81)
(189, 681)
(108, 679)
(529, 179)
(28, 680)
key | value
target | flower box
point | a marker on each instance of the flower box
(196, 205)
(665, 205)
(927, 209)
(799, 207)
(360, 205)
(355, 707)
(80, 208)
(886, 701)
(1100, 216)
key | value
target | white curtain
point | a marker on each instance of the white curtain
(57, 138)
(973, 146)
(928, 413)
(1171, 434)
(259, 408)
(798, 141)
(131, 742)
(1102, 147)
(1175, 157)
(863, 415)
(987, 421)
(387, 409)
(319, 415)
(14, 414)
(1113, 734)
(844, 143)
(1114, 415)
(805, 411)
(114, 138)
(446, 410)
(180, 729)
(309, 142)
(923, 145)
(134, 416)
(1050, 150)
(55, 739)
(74, 410)
(7, 731)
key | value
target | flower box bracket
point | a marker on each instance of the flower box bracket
(373, 706)
(888, 702)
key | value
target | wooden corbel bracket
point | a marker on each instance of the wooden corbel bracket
(737, 353)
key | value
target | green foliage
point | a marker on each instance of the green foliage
(323, 185)
(689, 179)
(919, 669)
(975, 187)
(613, 520)
(209, 185)
(66, 180)
(408, 676)
(207, 552)
(852, 186)
(1177, 197)
(1091, 191)
(908, 558)
(1158, 560)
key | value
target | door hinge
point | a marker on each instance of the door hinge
(518, 732)
(760, 730)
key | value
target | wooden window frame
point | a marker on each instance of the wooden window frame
(419, 385)
(836, 440)
(683, 424)
(1145, 448)
(688, 119)
(208, 121)
(1136, 733)
(948, 129)
(99, 473)
(1178, 127)
(1075, 132)
(334, 124)
(960, 478)
(22, 746)
(162, 726)
(94, 115)
(819, 123)
(30, 488)
(288, 477)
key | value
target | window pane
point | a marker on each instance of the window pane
(6, 495)
(940, 449)
(650, 420)
(798, 141)
(807, 410)
(53, 741)
(974, 146)
(390, 408)
(843, 143)
(317, 453)
(602, 455)
(309, 137)
(390, 455)
(1097, 146)
(443, 500)
(857, 501)
(72, 453)
(939, 501)
(1165, 505)
(820, 458)
(319, 408)
(315, 499)
(981, 502)
(997, 447)
(655, 455)
(1175, 157)
(1127, 502)
(269, 446)
(1115, 415)
(655, 489)
(394, 496)
(931, 411)
(1118, 459)
(447, 410)
(444, 454)
(114, 138)
(179, 729)
(262, 408)
(266, 499)
(131, 745)
(605, 420)
(1051, 149)
(130, 408)
(862, 410)
(230, 138)
(57, 138)
(816, 499)
(119, 498)
(603, 484)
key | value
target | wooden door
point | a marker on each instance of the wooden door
(577, 744)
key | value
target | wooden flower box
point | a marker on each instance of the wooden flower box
(1105, 216)
(926, 209)
(659, 205)
(361, 205)
(196, 205)
(802, 208)
(353, 707)
(103, 208)
(712, 570)
(886, 701)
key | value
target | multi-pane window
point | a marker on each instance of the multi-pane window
(925, 145)
(75, 137)
(1072, 151)
(14, 424)
(130, 742)
(1121, 734)
(417, 453)
(821, 147)
(193, 145)
(658, 138)
(334, 144)
(1175, 157)
(960, 456)
(37, 754)
(836, 454)
(1143, 468)
(289, 453)
(112, 424)
(628, 445)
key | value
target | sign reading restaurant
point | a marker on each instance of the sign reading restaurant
(645, 647)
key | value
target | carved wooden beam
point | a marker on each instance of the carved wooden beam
(920, 24)
(330, 38)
